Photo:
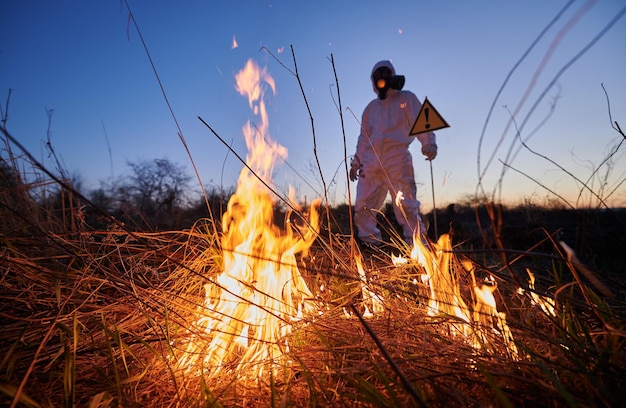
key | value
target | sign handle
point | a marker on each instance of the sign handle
(432, 188)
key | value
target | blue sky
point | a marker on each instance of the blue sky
(84, 60)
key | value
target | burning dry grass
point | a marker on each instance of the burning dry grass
(248, 313)
(103, 318)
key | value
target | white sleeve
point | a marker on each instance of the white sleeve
(427, 138)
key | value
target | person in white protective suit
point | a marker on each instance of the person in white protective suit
(382, 163)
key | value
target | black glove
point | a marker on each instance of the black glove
(356, 168)
(430, 151)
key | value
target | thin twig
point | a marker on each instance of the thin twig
(131, 17)
(539, 184)
(306, 102)
(345, 152)
(319, 167)
(285, 201)
(614, 151)
(523, 143)
(271, 146)
(279, 61)
(481, 174)
(4, 113)
(557, 76)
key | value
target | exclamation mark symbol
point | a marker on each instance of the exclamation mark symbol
(426, 110)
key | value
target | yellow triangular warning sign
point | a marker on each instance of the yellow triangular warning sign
(428, 119)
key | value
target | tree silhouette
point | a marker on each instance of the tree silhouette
(153, 195)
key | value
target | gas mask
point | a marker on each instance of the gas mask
(384, 80)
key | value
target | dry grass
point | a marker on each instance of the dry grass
(100, 318)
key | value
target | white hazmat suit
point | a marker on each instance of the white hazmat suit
(383, 163)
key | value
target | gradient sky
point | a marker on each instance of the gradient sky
(85, 61)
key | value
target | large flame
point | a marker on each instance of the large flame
(250, 307)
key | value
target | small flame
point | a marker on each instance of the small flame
(399, 198)
(370, 298)
(546, 304)
(398, 260)
(478, 323)
(486, 314)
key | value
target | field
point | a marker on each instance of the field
(497, 312)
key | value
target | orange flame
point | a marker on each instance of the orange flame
(478, 324)
(371, 300)
(546, 304)
(250, 307)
